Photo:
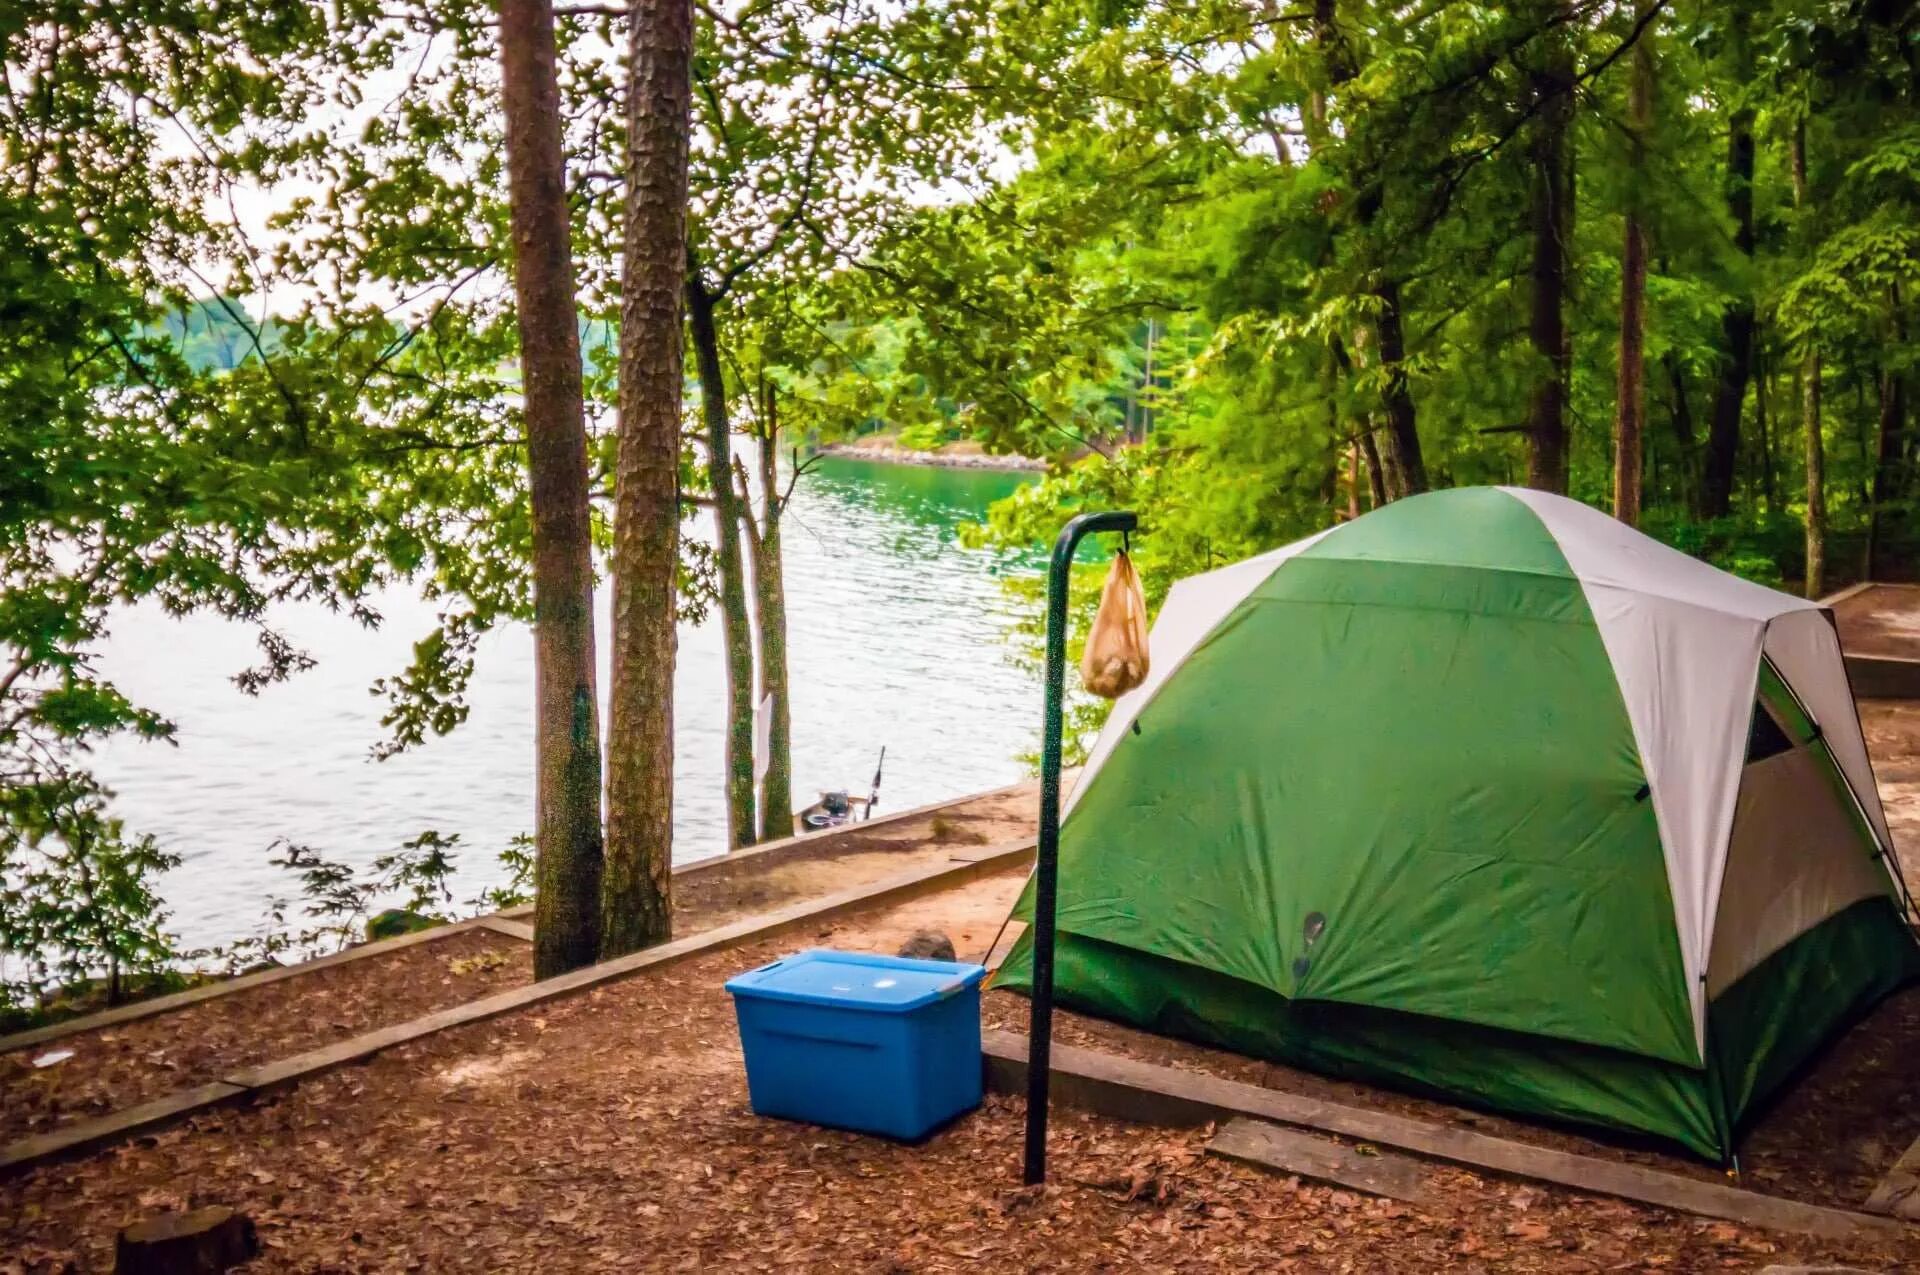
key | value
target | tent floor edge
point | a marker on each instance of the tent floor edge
(1782, 1016)
(1504, 1072)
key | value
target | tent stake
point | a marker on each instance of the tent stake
(1046, 871)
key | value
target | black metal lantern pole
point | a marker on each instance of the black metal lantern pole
(1047, 855)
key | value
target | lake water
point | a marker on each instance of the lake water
(898, 635)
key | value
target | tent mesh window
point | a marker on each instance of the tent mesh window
(1765, 738)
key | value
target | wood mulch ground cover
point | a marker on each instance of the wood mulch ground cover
(611, 1132)
(116, 1067)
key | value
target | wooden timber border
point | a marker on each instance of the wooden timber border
(1150, 1094)
(1875, 676)
(243, 1083)
(510, 922)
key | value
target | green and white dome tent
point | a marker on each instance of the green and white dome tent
(1487, 794)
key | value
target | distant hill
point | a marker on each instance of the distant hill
(213, 336)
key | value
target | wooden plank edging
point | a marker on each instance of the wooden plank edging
(89, 1135)
(1852, 590)
(1898, 1194)
(512, 929)
(1152, 1094)
(789, 846)
(245, 982)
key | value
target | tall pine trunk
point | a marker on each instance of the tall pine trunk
(1816, 455)
(1630, 400)
(736, 634)
(568, 849)
(1736, 368)
(637, 899)
(1550, 216)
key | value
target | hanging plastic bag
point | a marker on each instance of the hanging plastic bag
(1116, 656)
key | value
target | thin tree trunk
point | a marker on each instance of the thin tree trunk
(770, 612)
(1723, 429)
(1886, 459)
(637, 899)
(736, 635)
(1376, 480)
(1550, 216)
(1406, 469)
(1683, 434)
(1816, 456)
(1630, 400)
(1762, 396)
(1816, 480)
(1147, 389)
(568, 849)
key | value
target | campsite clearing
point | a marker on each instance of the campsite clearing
(611, 1130)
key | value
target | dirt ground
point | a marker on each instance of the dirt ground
(118, 1067)
(1882, 620)
(611, 1132)
(848, 857)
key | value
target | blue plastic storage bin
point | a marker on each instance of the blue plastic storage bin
(879, 1044)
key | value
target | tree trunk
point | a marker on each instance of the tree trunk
(637, 900)
(1406, 470)
(1376, 481)
(1683, 434)
(1816, 481)
(770, 613)
(736, 635)
(1550, 214)
(1723, 429)
(568, 850)
(1816, 585)
(1886, 460)
(1762, 426)
(1630, 400)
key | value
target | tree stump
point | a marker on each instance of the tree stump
(929, 945)
(203, 1242)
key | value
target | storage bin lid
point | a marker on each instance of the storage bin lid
(882, 984)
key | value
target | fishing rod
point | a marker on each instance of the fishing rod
(873, 795)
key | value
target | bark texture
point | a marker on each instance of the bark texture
(1550, 210)
(1886, 465)
(637, 898)
(1406, 469)
(1630, 399)
(736, 633)
(1816, 452)
(568, 856)
(1816, 480)
(770, 615)
(1736, 368)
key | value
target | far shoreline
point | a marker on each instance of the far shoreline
(953, 456)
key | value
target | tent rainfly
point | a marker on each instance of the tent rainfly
(1488, 795)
